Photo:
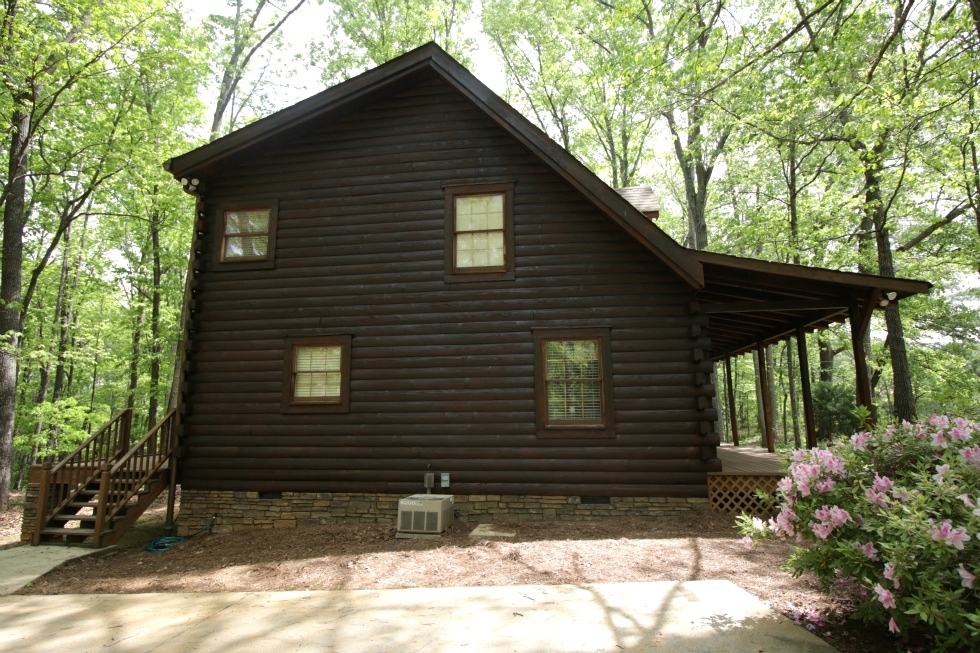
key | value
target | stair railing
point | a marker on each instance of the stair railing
(124, 479)
(60, 483)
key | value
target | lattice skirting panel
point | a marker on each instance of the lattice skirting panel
(736, 494)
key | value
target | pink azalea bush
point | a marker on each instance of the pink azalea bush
(898, 511)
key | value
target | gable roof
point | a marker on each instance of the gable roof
(430, 57)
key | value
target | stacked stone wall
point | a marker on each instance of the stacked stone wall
(238, 511)
(29, 525)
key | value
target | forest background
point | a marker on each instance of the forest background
(834, 133)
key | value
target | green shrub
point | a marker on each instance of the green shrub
(898, 511)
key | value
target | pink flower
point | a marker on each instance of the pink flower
(939, 475)
(961, 423)
(882, 484)
(747, 542)
(954, 537)
(967, 577)
(959, 435)
(902, 495)
(799, 455)
(804, 487)
(877, 498)
(785, 520)
(939, 439)
(965, 498)
(971, 455)
(825, 485)
(892, 626)
(860, 441)
(839, 516)
(822, 530)
(890, 574)
(939, 421)
(869, 550)
(785, 484)
(885, 596)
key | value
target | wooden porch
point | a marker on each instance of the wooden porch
(743, 471)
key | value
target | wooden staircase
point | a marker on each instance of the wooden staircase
(95, 494)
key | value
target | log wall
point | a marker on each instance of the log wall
(442, 376)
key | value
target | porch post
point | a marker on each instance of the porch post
(860, 320)
(811, 427)
(766, 407)
(733, 418)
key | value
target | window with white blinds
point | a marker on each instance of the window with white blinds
(317, 375)
(246, 235)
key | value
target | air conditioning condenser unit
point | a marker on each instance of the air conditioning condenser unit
(425, 513)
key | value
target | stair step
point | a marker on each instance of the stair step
(67, 531)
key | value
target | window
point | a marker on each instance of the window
(573, 382)
(317, 376)
(480, 232)
(248, 235)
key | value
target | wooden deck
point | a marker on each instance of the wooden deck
(745, 470)
(749, 461)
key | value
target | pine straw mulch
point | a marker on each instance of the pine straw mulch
(701, 546)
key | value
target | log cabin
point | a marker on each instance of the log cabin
(403, 276)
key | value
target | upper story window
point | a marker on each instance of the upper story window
(317, 375)
(573, 381)
(480, 232)
(248, 235)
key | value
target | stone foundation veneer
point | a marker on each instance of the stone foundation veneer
(239, 511)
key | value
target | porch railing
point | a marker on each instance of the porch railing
(119, 483)
(62, 481)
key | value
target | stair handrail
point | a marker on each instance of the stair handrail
(61, 482)
(122, 481)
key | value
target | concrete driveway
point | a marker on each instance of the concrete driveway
(662, 616)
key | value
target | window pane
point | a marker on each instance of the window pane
(480, 252)
(480, 213)
(247, 222)
(495, 212)
(464, 251)
(481, 219)
(318, 359)
(555, 357)
(495, 248)
(572, 377)
(241, 246)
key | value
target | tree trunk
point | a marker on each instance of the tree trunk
(876, 210)
(827, 355)
(155, 322)
(134, 360)
(10, 292)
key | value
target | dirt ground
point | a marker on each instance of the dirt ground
(10, 521)
(368, 556)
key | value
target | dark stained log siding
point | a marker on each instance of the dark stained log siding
(442, 375)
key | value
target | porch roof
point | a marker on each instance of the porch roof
(748, 301)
